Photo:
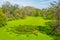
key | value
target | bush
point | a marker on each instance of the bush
(2, 19)
(23, 29)
(56, 38)
(45, 29)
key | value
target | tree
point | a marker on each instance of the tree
(6, 9)
(56, 8)
(47, 13)
(9, 10)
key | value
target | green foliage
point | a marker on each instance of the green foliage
(56, 28)
(48, 14)
(15, 23)
(2, 18)
(56, 38)
(14, 12)
(23, 29)
(30, 24)
(44, 29)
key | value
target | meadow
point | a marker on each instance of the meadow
(37, 21)
(29, 23)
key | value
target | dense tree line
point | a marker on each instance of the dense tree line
(15, 12)
(12, 12)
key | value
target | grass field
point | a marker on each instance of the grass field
(38, 21)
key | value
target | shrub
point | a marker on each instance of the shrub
(44, 29)
(2, 19)
(23, 29)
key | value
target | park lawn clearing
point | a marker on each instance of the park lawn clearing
(11, 36)
(38, 21)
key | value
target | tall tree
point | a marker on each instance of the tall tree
(6, 9)
(56, 8)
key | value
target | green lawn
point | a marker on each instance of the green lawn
(38, 21)
(28, 21)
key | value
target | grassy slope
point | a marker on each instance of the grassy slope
(28, 21)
